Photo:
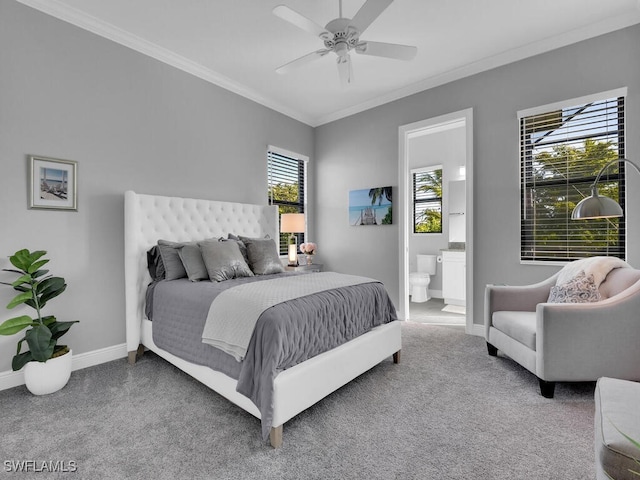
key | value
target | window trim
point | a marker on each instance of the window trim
(560, 105)
(295, 156)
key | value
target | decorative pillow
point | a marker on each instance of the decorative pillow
(241, 245)
(263, 255)
(193, 263)
(580, 289)
(173, 266)
(223, 260)
(154, 263)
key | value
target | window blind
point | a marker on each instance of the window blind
(427, 200)
(561, 153)
(286, 178)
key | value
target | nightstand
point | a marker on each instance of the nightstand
(314, 267)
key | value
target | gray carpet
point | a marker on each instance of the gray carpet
(448, 411)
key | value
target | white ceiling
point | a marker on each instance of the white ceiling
(238, 44)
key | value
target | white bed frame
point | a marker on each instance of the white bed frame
(149, 218)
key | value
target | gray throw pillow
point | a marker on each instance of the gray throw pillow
(193, 263)
(243, 247)
(580, 289)
(223, 260)
(263, 255)
(154, 263)
(173, 266)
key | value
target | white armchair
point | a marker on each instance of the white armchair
(568, 342)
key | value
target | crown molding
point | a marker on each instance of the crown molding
(501, 59)
(80, 19)
(87, 22)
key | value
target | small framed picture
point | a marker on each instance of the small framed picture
(53, 183)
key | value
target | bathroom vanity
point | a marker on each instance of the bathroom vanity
(454, 266)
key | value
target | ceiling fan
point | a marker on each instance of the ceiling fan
(342, 35)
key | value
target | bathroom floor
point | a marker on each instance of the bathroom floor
(431, 312)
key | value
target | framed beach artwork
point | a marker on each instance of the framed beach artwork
(371, 206)
(53, 183)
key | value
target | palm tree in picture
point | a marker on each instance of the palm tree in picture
(379, 194)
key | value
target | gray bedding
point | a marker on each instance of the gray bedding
(285, 335)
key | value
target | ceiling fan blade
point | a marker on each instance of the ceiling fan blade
(302, 60)
(344, 70)
(368, 13)
(301, 21)
(389, 50)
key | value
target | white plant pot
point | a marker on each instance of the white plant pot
(42, 378)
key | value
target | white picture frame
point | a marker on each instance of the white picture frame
(53, 183)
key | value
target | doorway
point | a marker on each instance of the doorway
(418, 148)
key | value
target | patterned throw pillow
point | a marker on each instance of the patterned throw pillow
(580, 289)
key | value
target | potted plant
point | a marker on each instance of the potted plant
(47, 364)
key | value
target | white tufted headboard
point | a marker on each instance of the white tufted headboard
(148, 218)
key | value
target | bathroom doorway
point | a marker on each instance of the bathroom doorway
(442, 142)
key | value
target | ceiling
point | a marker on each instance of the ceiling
(238, 44)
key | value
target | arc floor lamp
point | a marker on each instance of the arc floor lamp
(596, 206)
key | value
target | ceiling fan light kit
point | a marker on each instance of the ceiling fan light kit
(342, 35)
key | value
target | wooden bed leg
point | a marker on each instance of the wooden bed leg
(136, 354)
(276, 436)
(396, 357)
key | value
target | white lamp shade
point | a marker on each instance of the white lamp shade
(292, 223)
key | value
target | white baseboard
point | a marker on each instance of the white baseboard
(10, 379)
(477, 330)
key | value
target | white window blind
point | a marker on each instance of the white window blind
(427, 200)
(286, 188)
(561, 152)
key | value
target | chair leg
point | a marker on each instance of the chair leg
(547, 389)
(493, 351)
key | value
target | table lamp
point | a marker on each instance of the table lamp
(292, 223)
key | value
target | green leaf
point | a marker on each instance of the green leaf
(60, 328)
(49, 286)
(14, 271)
(14, 325)
(21, 288)
(26, 278)
(21, 360)
(19, 299)
(39, 273)
(32, 304)
(21, 259)
(48, 320)
(40, 342)
(36, 266)
(19, 346)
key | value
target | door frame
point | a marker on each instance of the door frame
(405, 133)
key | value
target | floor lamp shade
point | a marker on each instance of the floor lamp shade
(292, 223)
(596, 206)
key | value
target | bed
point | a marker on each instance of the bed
(149, 218)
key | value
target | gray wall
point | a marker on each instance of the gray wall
(131, 123)
(362, 151)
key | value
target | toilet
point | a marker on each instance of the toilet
(419, 281)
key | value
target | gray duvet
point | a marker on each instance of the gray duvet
(285, 335)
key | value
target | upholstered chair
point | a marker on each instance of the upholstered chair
(568, 342)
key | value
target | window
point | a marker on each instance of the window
(286, 173)
(427, 199)
(562, 149)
